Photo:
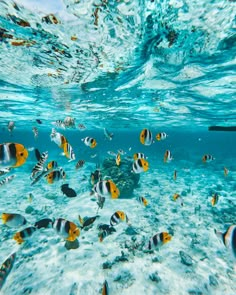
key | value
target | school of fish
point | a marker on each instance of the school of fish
(14, 155)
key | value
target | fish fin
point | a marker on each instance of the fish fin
(4, 218)
(219, 235)
(81, 220)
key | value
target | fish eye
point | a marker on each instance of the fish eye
(22, 154)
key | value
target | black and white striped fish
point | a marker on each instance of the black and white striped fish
(4, 171)
(39, 167)
(6, 268)
(7, 179)
(59, 123)
(117, 217)
(158, 239)
(24, 234)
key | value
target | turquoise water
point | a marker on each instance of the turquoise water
(122, 66)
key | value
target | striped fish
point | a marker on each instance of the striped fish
(146, 137)
(5, 268)
(55, 175)
(106, 188)
(7, 179)
(12, 155)
(117, 217)
(158, 239)
(80, 164)
(20, 236)
(4, 171)
(60, 124)
(66, 229)
(39, 167)
(68, 151)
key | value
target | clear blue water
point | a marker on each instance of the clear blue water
(121, 65)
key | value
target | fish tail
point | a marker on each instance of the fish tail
(218, 234)
(81, 220)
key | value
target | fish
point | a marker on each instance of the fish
(143, 201)
(59, 123)
(51, 165)
(89, 141)
(4, 171)
(68, 151)
(175, 175)
(58, 138)
(137, 156)
(226, 171)
(95, 176)
(24, 234)
(105, 230)
(66, 229)
(37, 154)
(179, 198)
(30, 197)
(13, 219)
(37, 178)
(39, 121)
(7, 179)
(101, 201)
(10, 126)
(5, 268)
(81, 127)
(39, 167)
(215, 199)
(161, 136)
(80, 164)
(69, 122)
(106, 188)
(36, 132)
(229, 239)
(146, 137)
(50, 19)
(118, 159)
(69, 192)
(108, 135)
(168, 156)
(44, 223)
(105, 288)
(207, 158)
(87, 221)
(158, 240)
(140, 165)
(12, 155)
(55, 175)
(117, 217)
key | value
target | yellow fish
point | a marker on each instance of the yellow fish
(146, 137)
(66, 229)
(106, 187)
(12, 155)
(118, 159)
